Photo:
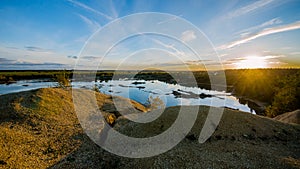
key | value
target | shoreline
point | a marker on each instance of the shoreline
(258, 106)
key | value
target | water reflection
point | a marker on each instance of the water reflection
(141, 91)
(170, 94)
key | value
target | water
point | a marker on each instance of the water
(25, 85)
(140, 91)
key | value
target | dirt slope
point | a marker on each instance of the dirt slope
(39, 129)
(289, 117)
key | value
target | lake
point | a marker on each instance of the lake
(141, 90)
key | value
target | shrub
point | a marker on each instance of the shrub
(154, 103)
(96, 89)
(63, 80)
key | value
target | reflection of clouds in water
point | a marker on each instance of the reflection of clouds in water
(155, 89)
(233, 102)
(185, 101)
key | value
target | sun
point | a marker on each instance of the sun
(251, 62)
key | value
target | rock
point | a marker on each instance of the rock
(203, 95)
(141, 87)
(137, 83)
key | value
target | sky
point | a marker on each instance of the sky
(169, 34)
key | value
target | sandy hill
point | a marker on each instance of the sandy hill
(289, 117)
(39, 129)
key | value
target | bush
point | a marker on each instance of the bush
(154, 103)
(63, 80)
(96, 89)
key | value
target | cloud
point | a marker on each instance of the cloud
(265, 32)
(8, 64)
(34, 66)
(168, 64)
(169, 20)
(72, 56)
(93, 25)
(176, 51)
(79, 4)
(10, 47)
(295, 53)
(249, 8)
(188, 35)
(263, 25)
(113, 9)
(197, 62)
(34, 48)
(3, 60)
(90, 57)
(83, 57)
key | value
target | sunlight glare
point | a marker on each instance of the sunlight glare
(251, 62)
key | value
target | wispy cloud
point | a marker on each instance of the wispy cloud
(90, 57)
(113, 9)
(295, 53)
(169, 20)
(9, 64)
(175, 52)
(79, 4)
(5, 60)
(93, 25)
(72, 57)
(249, 8)
(266, 57)
(36, 49)
(198, 62)
(265, 32)
(271, 22)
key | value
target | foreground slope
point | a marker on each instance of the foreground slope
(289, 117)
(39, 129)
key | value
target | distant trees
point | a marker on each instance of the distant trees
(287, 95)
(6, 79)
(280, 88)
(252, 83)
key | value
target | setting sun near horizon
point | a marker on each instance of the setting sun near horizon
(251, 62)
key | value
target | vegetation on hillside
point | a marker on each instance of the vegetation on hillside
(62, 79)
(287, 95)
(278, 88)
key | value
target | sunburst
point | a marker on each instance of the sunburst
(251, 62)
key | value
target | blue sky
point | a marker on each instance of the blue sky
(42, 34)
